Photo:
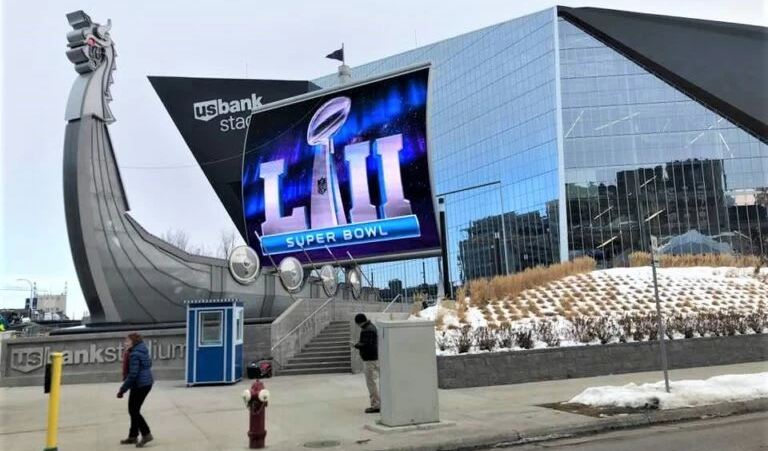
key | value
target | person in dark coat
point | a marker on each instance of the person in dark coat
(139, 382)
(369, 352)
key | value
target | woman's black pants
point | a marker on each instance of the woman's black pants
(135, 400)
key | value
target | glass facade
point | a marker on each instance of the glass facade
(633, 148)
(642, 158)
(494, 150)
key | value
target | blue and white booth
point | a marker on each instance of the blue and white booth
(215, 330)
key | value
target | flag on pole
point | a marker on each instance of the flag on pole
(337, 54)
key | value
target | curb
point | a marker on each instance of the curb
(640, 420)
(601, 425)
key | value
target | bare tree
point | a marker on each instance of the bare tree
(178, 238)
(227, 242)
(201, 250)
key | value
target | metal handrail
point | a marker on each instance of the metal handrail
(390, 303)
(301, 324)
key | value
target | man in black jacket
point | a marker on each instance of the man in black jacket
(369, 352)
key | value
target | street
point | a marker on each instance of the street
(739, 433)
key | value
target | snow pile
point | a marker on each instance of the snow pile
(690, 393)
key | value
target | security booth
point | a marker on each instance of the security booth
(214, 341)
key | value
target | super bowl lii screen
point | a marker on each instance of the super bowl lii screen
(345, 173)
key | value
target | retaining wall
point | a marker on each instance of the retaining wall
(97, 357)
(501, 368)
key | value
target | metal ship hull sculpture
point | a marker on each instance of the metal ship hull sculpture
(127, 274)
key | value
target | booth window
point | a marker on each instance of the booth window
(210, 331)
(239, 324)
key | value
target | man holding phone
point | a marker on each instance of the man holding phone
(368, 345)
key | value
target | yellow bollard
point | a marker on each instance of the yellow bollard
(53, 402)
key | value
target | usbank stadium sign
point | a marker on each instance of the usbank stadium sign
(342, 172)
(210, 109)
(212, 115)
(26, 359)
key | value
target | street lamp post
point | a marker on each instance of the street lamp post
(662, 338)
(31, 295)
(655, 254)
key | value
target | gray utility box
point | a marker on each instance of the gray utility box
(408, 373)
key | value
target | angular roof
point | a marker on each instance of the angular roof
(722, 65)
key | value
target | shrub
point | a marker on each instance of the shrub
(741, 323)
(606, 329)
(625, 324)
(524, 338)
(702, 322)
(670, 327)
(583, 329)
(442, 342)
(546, 332)
(644, 325)
(685, 324)
(485, 339)
(506, 338)
(756, 320)
(639, 329)
(463, 340)
(651, 326)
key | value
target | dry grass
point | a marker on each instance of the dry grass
(484, 291)
(461, 294)
(462, 310)
(440, 319)
(685, 261)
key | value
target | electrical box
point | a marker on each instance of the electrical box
(408, 367)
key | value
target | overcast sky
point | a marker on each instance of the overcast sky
(273, 39)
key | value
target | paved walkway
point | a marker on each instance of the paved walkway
(303, 409)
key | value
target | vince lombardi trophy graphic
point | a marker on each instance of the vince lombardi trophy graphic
(327, 209)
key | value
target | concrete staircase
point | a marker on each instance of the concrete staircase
(327, 353)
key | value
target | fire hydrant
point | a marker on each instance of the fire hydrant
(256, 399)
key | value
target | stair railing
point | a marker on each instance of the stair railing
(390, 304)
(297, 329)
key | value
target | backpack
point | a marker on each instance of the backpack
(260, 370)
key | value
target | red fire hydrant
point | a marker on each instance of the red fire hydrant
(256, 400)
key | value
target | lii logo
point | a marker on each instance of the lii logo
(210, 109)
(327, 224)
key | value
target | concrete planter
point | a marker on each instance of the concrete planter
(502, 368)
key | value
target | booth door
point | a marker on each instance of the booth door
(211, 356)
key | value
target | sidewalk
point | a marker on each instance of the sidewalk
(303, 409)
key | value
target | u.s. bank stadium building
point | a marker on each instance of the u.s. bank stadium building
(579, 132)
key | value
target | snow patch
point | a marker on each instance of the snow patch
(686, 393)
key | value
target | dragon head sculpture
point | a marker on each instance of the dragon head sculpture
(92, 52)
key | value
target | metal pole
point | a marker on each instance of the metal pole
(375, 291)
(444, 251)
(405, 282)
(503, 230)
(53, 402)
(662, 338)
(31, 296)
(261, 243)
